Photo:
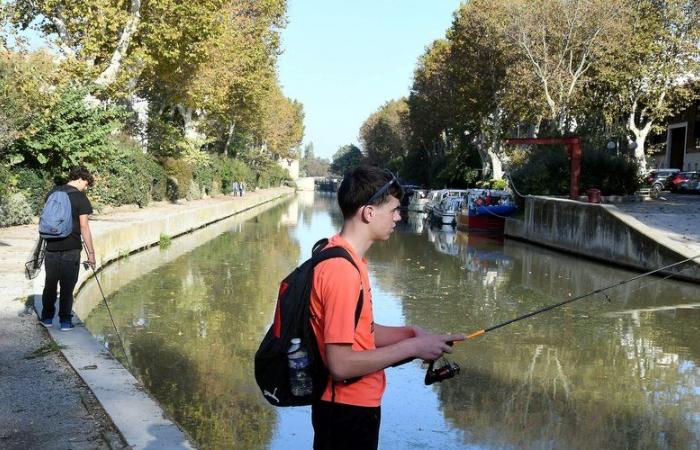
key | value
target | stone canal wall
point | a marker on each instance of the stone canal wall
(601, 232)
(115, 238)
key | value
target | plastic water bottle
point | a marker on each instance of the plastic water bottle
(299, 376)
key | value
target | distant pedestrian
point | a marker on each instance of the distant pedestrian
(234, 188)
(242, 188)
(62, 260)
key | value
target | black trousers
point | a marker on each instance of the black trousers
(340, 427)
(61, 268)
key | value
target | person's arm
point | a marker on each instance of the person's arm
(87, 238)
(345, 363)
(384, 335)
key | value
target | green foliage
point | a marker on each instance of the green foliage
(14, 210)
(35, 184)
(546, 172)
(229, 170)
(179, 178)
(311, 165)
(73, 133)
(347, 158)
(164, 241)
(385, 134)
(165, 139)
(492, 184)
(613, 175)
(127, 176)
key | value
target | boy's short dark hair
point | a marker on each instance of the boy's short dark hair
(359, 186)
(77, 173)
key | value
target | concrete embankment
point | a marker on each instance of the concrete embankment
(601, 232)
(52, 408)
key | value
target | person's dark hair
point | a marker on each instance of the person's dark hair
(359, 186)
(77, 173)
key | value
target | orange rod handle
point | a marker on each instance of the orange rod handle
(476, 334)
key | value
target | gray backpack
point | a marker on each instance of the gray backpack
(56, 220)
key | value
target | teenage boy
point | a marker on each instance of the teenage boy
(348, 413)
(62, 258)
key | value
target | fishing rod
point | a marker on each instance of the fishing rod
(109, 311)
(451, 369)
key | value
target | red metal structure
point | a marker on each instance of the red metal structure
(573, 146)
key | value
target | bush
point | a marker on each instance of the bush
(179, 178)
(74, 133)
(14, 210)
(546, 172)
(127, 176)
(492, 184)
(35, 184)
(613, 175)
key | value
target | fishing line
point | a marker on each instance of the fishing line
(588, 294)
(109, 311)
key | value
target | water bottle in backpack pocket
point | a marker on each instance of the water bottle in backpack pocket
(56, 220)
(300, 381)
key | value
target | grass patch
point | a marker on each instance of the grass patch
(44, 350)
(164, 241)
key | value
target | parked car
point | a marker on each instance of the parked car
(690, 183)
(658, 180)
(676, 179)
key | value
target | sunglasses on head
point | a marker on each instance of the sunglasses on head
(383, 190)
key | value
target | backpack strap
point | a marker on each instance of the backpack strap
(320, 254)
(340, 252)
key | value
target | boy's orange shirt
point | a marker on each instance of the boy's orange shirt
(336, 289)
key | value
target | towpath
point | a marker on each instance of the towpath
(44, 404)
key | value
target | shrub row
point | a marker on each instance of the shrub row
(128, 176)
(546, 172)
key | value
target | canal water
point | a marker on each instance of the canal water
(612, 371)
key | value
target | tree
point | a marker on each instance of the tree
(654, 69)
(559, 41)
(347, 158)
(431, 113)
(481, 60)
(385, 135)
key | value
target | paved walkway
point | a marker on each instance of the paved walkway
(44, 404)
(676, 216)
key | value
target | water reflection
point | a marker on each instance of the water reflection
(615, 371)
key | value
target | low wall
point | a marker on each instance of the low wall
(600, 232)
(116, 239)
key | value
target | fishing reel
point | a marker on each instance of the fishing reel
(445, 372)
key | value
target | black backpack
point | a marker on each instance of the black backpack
(292, 320)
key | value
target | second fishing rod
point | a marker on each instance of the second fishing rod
(450, 369)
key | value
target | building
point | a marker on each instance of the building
(680, 145)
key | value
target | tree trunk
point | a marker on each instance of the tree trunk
(109, 75)
(229, 139)
(496, 164)
(640, 136)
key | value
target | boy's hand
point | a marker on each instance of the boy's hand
(430, 347)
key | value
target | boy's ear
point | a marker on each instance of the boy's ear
(366, 213)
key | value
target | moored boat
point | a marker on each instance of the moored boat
(446, 211)
(485, 210)
(437, 196)
(419, 199)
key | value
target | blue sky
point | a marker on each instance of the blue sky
(344, 59)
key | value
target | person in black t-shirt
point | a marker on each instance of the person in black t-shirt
(62, 260)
